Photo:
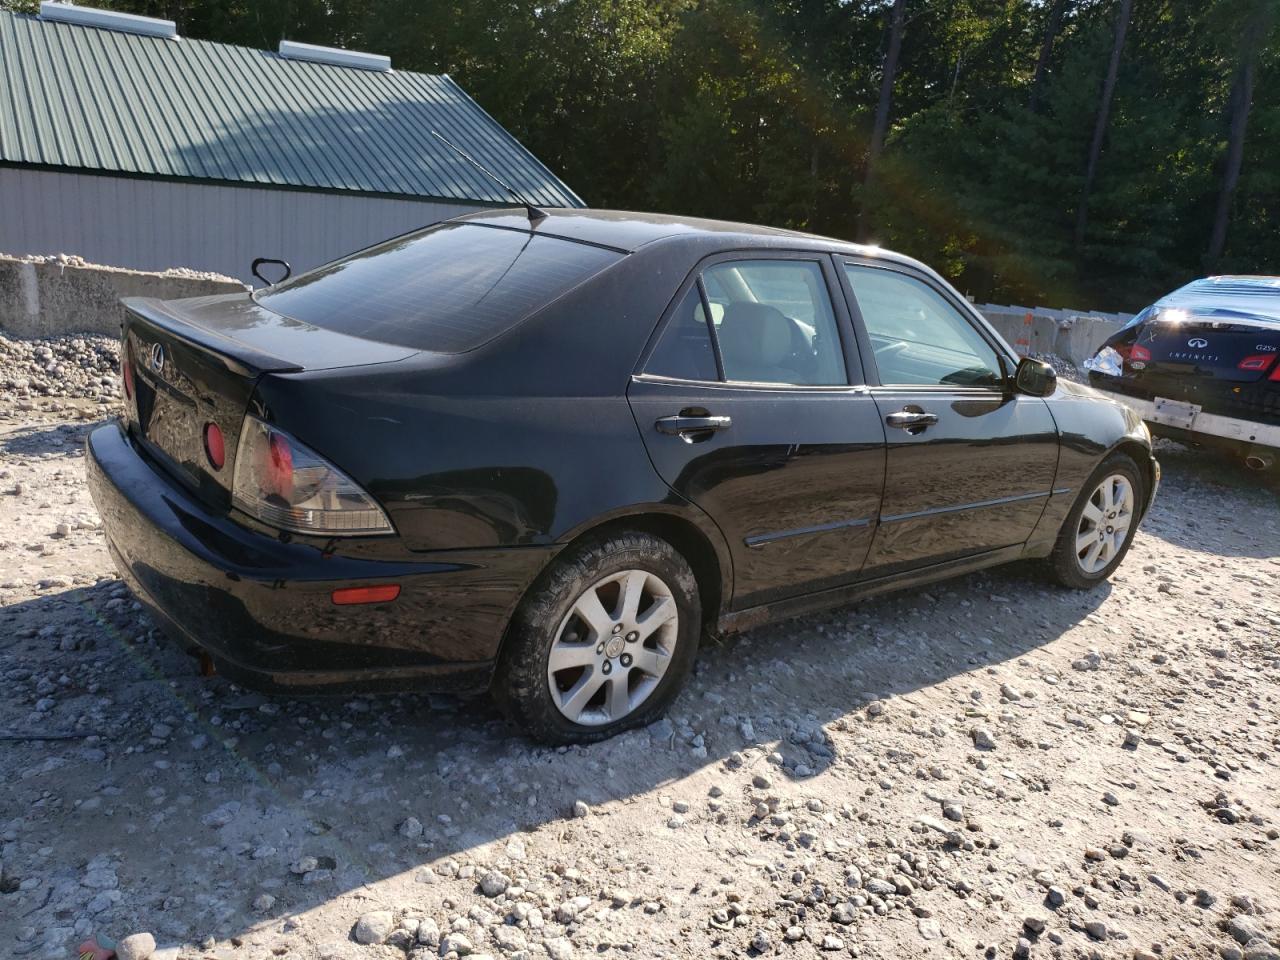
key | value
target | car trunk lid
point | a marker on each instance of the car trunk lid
(1234, 348)
(195, 362)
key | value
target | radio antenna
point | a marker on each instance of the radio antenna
(534, 213)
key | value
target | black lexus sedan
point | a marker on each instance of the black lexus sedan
(1202, 364)
(544, 455)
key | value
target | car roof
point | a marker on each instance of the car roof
(628, 231)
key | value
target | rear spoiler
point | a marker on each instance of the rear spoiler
(240, 358)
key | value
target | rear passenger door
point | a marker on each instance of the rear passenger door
(970, 464)
(752, 405)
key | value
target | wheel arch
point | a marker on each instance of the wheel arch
(696, 539)
(1140, 453)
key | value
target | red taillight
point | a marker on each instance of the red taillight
(214, 447)
(384, 593)
(1141, 354)
(126, 372)
(1275, 374)
(1259, 361)
(280, 468)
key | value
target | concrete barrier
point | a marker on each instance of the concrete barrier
(1073, 335)
(48, 296)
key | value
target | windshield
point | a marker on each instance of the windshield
(447, 289)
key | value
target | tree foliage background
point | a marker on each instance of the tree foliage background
(764, 111)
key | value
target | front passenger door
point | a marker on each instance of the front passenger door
(970, 465)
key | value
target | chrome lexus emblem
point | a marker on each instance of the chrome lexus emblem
(1197, 343)
(157, 358)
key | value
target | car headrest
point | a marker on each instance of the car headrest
(755, 333)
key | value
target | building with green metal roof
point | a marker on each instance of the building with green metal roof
(129, 145)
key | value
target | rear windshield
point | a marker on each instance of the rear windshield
(447, 289)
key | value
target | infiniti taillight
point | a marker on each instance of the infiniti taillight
(1258, 361)
(126, 371)
(214, 446)
(291, 487)
(1275, 374)
(1140, 354)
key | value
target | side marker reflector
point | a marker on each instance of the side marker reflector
(384, 593)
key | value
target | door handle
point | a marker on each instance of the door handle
(913, 421)
(681, 425)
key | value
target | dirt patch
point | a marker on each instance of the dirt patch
(987, 767)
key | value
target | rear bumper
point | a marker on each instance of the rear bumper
(1195, 421)
(261, 607)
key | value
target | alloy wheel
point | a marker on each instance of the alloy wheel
(1104, 523)
(613, 647)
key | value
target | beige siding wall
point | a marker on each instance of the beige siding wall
(157, 224)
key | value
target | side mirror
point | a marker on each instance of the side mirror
(1035, 378)
(288, 270)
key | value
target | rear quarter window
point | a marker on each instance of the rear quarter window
(447, 289)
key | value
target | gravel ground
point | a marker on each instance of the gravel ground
(991, 767)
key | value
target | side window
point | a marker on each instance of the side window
(685, 351)
(774, 322)
(916, 335)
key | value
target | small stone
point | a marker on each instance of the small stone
(1056, 897)
(455, 943)
(136, 946)
(1096, 929)
(494, 884)
(761, 782)
(929, 928)
(428, 932)
(1110, 799)
(982, 738)
(1022, 949)
(580, 809)
(263, 903)
(1205, 898)
(410, 827)
(558, 948)
(832, 942)
(1034, 924)
(794, 934)
(761, 942)
(303, 865)
(374, 927)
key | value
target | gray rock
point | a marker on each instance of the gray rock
(456, 943)
(558, 948)
(374, 927)
(1096, 929)
(221, 816)
(1243, 929)
(982, 738)
(410, 827)
(494, 883)
(580, 809)
(136, 946)
(428, 932)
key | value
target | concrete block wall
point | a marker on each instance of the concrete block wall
(49, 296)
(1073, 335)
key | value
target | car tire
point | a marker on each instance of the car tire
(1070, 564)
(635, 678)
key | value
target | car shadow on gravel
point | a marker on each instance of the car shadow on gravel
(199, 797)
